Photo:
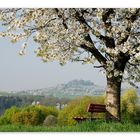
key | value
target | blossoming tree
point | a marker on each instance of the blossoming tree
(110, 36)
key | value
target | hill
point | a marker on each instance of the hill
(69, 90)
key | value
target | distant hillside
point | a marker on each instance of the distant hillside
(69, 90)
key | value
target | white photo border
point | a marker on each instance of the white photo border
(69, 4)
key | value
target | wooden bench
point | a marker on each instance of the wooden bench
(92, 108)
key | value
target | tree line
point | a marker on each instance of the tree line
(24, 100)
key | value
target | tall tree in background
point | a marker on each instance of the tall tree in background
(110, 36)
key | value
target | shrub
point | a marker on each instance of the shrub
(29, 115)
(4, 120)
(50, 110)
(34, 115)
(136, 118)
(28, 118)
(129, 103)
(50, 121)
(17, 118)
(6, 117)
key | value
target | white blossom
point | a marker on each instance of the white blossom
(59, 34)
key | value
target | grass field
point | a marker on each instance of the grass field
(96, 126)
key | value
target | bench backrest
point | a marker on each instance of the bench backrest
(96, 108)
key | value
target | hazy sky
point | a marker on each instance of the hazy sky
(29, 72)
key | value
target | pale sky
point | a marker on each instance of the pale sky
(29, 72)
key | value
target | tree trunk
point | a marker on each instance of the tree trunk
(113, 94)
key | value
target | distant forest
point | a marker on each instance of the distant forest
(19, 101)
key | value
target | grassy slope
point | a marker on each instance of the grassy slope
(83, 127)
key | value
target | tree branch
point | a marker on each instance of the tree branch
(109, 41)
(98, 66)
(95, 53)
